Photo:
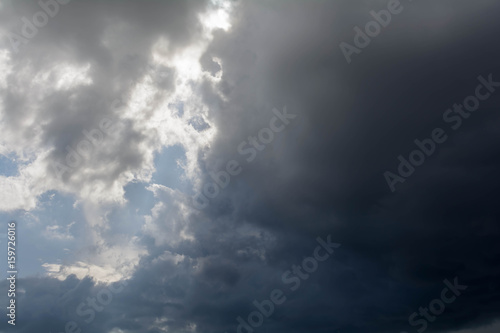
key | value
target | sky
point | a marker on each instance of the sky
(219, 166)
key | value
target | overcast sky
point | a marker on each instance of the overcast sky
(174, 160)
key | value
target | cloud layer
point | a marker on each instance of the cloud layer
(196, 79)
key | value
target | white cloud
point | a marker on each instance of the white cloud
(169, 219)
(47, 102)
(57, 232)
(104, 263)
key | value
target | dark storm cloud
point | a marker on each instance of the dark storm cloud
(400, 247)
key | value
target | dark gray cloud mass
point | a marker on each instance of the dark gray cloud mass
(322, 175)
